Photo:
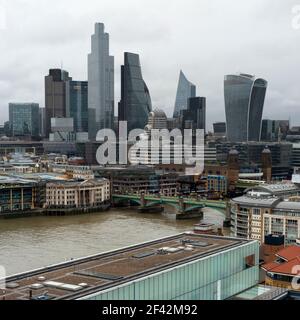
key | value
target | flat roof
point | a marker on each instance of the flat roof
(83, 277)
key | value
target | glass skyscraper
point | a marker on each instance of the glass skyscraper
(135, 104)
(77, 104)
(24, 119)
(185, 91)
(101, 83)
(244, 103)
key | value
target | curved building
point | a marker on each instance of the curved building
(135, 104)
(244, 103)
(185, 90)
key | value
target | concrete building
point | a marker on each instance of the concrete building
(140, 179)
(157, 119)
(101, 83)
(265, 210)
(181, 267)
(85, 194)
(55, 96)
(24, 119)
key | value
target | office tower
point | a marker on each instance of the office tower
(24, 119)
(220, 128)
(55, 96)
(185, 91)
(135, 104)
(195, 115)
(244, 103)
(77, 104)
(42, 122)
(101, 83)
(274, 130)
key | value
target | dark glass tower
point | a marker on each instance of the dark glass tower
(244, 103)
(55, 96)
(195, 116)
(185, 91)
(77, 104)
(135, 104)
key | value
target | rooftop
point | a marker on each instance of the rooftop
(79, 278)
(291, 257)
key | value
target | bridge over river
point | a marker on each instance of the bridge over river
(183, 207)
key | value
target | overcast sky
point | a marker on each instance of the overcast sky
(205, 38)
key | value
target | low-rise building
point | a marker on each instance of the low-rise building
(85, 194)
(265, 210)
(140, 179)
(284, 271)
(217, 184)
(17, 195)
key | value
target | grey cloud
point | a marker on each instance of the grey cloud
(206, 38)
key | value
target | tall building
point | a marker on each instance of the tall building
(77, 104)
(185, 91)
(195, 115)
(42, 120)
(220, 128)
(274, 130)
(24, 119)
(135, 104)
(101, 83)
(55, 96)
(244, 103)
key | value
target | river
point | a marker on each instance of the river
(30, 243)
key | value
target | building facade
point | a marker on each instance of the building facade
(24, 119)
(85, 194)
(244, 103)
(77, 104)
(17, 195)
(263, 211)
(135, 104)
(101, 83)
(195, 115)
(185, 90)
(55, 96)
(213, 275)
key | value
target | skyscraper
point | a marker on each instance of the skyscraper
(101, 83)
(135, 104)
(24, 119)
(244, 103)
(185, 91)
(195, 115)
(77, 104)
(55, 96)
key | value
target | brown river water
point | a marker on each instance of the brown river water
(30, 243)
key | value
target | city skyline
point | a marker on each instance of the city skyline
(206, 68)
